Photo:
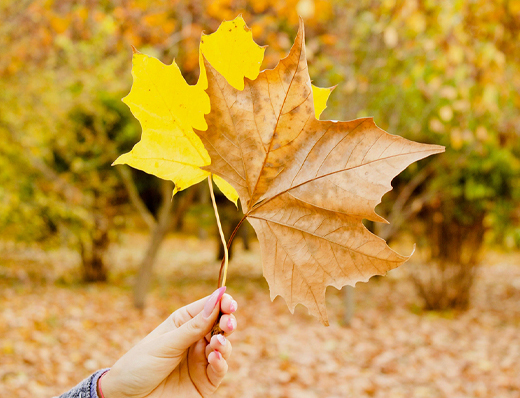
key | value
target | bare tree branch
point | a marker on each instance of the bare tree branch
(135, 198)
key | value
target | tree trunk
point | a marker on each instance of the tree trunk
(166, 218)
(445, 283)
(245, 235)
(159, 232)
(94, 270)
(146, 267)
(348, 299)
(93, 251)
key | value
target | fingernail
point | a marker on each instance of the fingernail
(221, 339)
(233, 306)
(230, 324)
(218, 354)
(212, 301)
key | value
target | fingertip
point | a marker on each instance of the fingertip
(218, 363)
(228, 323)
(214, 357)
(217, 367)
(211, 306)
(226, 304)
(221, 339)
(218, 342)
(227, 296)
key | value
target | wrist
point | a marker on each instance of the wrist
(101, 392)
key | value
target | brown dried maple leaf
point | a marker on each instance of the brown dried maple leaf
(304, 184)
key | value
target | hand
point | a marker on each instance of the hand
(179, 358)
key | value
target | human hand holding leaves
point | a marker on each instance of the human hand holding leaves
(304, 184)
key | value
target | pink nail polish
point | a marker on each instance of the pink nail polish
(230, 324)
(218, 354)
(233, 306)
(221, 339)
(212, 301)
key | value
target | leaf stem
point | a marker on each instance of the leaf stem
(222, 238)
(223, 266)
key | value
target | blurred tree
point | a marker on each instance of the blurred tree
(61, 123)
(437, 73)
(440, 73)
(169, 214)
(446, 74)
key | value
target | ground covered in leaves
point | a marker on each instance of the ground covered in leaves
(55, 331)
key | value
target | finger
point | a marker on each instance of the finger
(217, 368)
(209, 350)
(177, 319)
(198, 354)
(228, 323)
(218, 343)
(221, 344)
(180, 339)
(228, 305)
(198, 368)
(188, 312)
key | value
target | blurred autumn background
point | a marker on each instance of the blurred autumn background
(93, 257)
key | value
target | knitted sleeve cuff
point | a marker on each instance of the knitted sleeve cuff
(87, 388)
(93, 383)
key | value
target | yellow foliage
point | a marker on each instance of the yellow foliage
(168, 108)
(219, 9)
(59, 24)
(232, 51)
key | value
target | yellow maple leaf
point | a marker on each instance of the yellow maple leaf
(168, 108)
(232, 51)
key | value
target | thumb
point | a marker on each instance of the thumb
(196, 328)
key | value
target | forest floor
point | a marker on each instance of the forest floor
(55, 331)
